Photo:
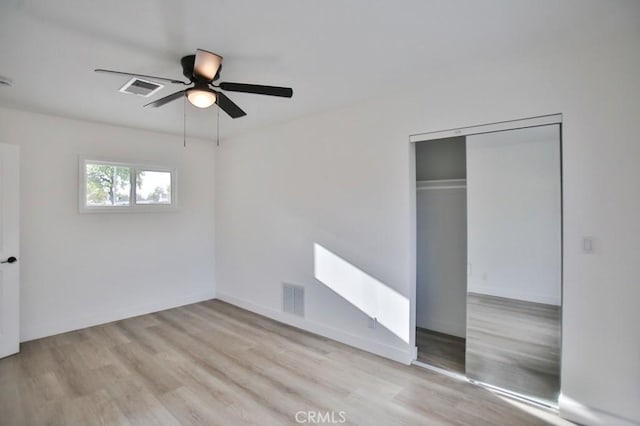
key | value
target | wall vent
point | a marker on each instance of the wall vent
(140, 87)
(293, 299)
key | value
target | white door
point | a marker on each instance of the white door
(9, 245)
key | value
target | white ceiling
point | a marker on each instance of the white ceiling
(332, 53)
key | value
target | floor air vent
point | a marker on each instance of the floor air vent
(293, 299)
(145, 88)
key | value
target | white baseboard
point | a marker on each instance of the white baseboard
(446, 327)
(49, 328)
(396, 354)
(572, 410)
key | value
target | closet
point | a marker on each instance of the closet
(489, 260)
(441, 253)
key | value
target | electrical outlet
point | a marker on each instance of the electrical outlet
(373, 322)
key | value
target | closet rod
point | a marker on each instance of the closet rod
(441, 184)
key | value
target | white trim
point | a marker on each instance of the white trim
(574, 411)
(133, 207)
(452, 328)
(396, 354)
(488, 128)
(47, 328)
(412, 261)
(422, 185)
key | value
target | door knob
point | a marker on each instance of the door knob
(10, 260)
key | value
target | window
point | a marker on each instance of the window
(153, 187)
(123, 187)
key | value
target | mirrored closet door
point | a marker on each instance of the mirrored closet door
(514, 260)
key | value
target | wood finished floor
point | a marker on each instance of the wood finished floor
(212, 363)
(441, 350)
(514, 344)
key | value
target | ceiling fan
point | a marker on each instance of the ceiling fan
(202, 69)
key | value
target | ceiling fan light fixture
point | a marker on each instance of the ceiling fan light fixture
(201, 98)
(206, 65)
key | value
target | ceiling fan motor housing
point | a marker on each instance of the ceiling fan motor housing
(187, 66)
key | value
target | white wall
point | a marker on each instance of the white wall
(83, 269)
(513, 214)
(441, 281)
(344, 179)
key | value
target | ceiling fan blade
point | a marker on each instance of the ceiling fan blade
(170, 80)
(167, 99)
(285, 92)
(228, 106)
(206, 65)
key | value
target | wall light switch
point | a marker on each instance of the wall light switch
(587, 244)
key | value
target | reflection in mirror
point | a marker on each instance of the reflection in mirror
(514, 260)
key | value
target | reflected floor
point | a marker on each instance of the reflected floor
(514, 344)
(441, 350)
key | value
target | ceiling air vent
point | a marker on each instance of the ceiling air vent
(145, 88)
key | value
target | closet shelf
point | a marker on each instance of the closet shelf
(441, 184)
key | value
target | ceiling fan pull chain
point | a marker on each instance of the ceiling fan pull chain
(218, 128)
(184, 122)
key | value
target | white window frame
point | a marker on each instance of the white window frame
(133, 207)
